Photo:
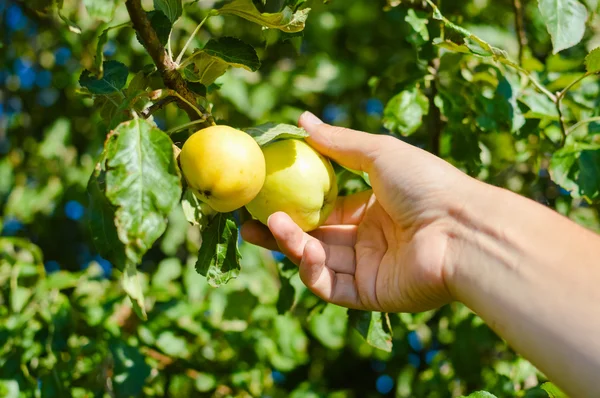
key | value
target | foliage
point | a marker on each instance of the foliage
(103, 247)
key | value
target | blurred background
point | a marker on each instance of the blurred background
(66, 326)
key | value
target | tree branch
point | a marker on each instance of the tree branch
(436, 124)
(165, 64)
(146, 113)
(559, 97)
(520, 26)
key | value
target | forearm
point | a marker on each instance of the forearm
(534, 277)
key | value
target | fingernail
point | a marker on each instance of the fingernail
(308, 119)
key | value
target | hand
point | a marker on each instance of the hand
(385, 249)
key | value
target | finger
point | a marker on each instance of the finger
(350, 209)
(292, 241)
(258, 234)
(353, 149)
(343, 235)
(337, 288)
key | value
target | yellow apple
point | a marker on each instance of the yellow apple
(224, 167)
(300, 182)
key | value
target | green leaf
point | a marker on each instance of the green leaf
(420, 33)
(219, 257)
(9, 389)
(404, 113)
(142, 182)
(19, 296)
(540, 106)
(103, 10)
(269, 132)
(291, 344)
(373, 327)
(133, 287)
(168, 270)
(329, 327)
(553, 391)
(219, 55)
(287, 292)
(459, 39)
(7, 178)
(173, 9)
(161, 24)
(192, 208)
(99, 59)
(480, 394)
(130, 369)
(234, 52)
(205, 382)
(102, 221)
(560, 169)
(61, 280)
(56, 139)
(589, 175)
(172, 345)
(112, 109)
(113, 79)
(25, 202)
(287, 20)
(592, 61)
(176, 233)
(565, 21)
(508, 89)
(577, 170)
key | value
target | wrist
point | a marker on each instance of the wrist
(477, 238)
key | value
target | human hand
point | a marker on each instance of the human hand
(386, 249)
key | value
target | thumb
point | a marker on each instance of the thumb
(349, 148)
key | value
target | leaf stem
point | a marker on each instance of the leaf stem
(164, 62)
(565, 90)
(183, 126)
(520, 27)
(189, 41)
(583, 123)
(558, 102)
(146, 113)
(203, 115)
(562, 122)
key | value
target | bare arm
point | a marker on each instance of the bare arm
(427, 235)
(534, 277)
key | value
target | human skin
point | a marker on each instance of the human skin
(428, 234)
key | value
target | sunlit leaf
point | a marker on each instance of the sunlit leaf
(133, 287)
(565, 20)
(103, 10)
(217, 57)
(269, 132)
(479, 394)
(171, 8)
(142, 184)
(287, 20)
(329, 327)
(404, 113)
(219, 257)
(592, 61)
(373, 327)
(419, 25)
